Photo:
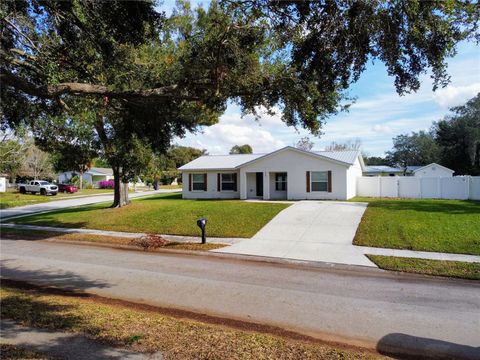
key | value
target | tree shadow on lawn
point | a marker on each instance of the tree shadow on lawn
(429, 206)
(29, 309)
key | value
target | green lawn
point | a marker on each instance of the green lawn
(451, 226)
(13, 198)
(457, 269)
(166, 214)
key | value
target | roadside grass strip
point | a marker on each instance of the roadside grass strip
(454, 269)
(149, 331)
(23, 234)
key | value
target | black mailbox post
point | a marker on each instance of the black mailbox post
(202, 223)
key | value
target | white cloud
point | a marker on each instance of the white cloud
(456, 95)
(221, 137)
(384, 129)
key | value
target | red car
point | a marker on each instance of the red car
(66, 188)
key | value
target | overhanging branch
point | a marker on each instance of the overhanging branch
(84, 89)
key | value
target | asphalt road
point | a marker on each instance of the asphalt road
(63, 204)
(370, 308)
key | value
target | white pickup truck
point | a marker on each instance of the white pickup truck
(35, 186)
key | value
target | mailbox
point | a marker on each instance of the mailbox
(202, 223)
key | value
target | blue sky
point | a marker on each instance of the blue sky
(378, 115)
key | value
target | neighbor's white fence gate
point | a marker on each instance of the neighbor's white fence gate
(457, 187)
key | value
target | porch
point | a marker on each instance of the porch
(266, 185)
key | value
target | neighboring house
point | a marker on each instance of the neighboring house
(93, 176)
(288, 173)
(382, 170)
(386, 170)
(433, 170)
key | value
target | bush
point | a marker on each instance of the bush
(106, 184)
(149, 242)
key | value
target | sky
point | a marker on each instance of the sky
(378, 115)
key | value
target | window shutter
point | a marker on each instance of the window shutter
(308, 181)
(218, 181)
(329, 184)
(205, 187)
(190, 182)
(235, 182)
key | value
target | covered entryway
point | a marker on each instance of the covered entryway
(255, 185)
(309, 230)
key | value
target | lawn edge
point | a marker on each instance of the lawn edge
(371, 257)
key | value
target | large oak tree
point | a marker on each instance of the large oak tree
(144, 78)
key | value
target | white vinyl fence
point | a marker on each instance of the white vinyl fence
(457, 187)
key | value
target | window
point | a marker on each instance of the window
(228, 182)
(198, 182)
(280, 181)
(319, 180)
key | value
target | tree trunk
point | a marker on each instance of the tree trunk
(80, 180)
(120, 196)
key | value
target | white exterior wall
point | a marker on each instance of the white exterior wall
(211, 192)
(475, 187)
(296, 165)
(433, 171)
(353, 173)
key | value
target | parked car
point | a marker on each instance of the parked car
(38, 186)
(67, 188)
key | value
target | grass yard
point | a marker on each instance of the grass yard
(151, 330)
(456, 269)
(25, 234)
(451, 226)
(12, 198)
(166, 214)
(14, 352)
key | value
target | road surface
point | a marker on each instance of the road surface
(370, 308)
(63, 204)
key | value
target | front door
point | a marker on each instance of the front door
(259, 178)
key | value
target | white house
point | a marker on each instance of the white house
(288, 173)
(433, 170)
(93, 176)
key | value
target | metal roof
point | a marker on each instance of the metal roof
(100, 171)
(381, 169)
(230, 162)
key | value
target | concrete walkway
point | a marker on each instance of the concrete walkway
(64, 345)
(63, 204)
(176, 238)
(309, 230)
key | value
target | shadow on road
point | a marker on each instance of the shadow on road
(65, 279)
(405, 346)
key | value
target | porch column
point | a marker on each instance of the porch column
(243, 184)
(266, 185)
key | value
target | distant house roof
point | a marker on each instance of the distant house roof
(230, 162)
(100, 171)
(433, 164)
(382, 169)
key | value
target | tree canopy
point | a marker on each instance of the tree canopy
(140, 78)
(241, 149)
(458, 136)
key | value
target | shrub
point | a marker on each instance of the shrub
(149, 242)
(106, 184)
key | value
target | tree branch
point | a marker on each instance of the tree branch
(84, 89)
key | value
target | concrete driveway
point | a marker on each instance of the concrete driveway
(309, 230)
